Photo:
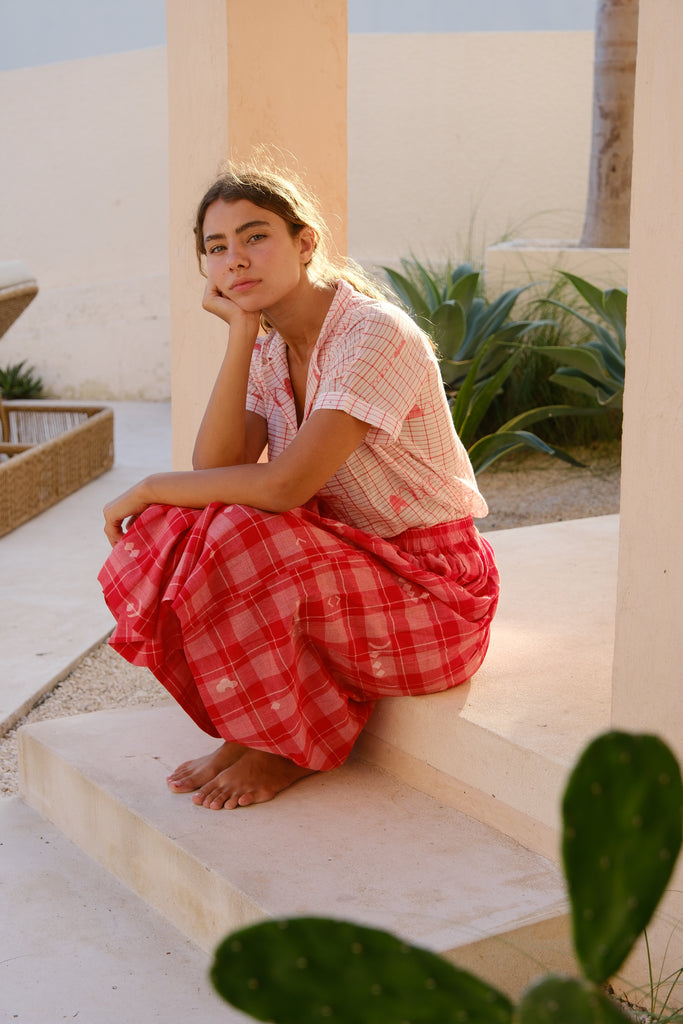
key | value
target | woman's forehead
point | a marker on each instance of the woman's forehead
(237, 211)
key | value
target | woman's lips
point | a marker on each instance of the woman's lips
(243, 286)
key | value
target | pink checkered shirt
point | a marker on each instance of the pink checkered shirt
(371, 361)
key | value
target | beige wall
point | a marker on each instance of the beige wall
(83, 203)
(459, 141)
(648, 662)
(484, 134)
(222, 101)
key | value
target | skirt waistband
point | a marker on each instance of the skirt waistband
(440, 536)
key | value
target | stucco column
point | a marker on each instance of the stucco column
(242, 75)
(648, 663)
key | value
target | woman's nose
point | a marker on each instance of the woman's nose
(236, 256)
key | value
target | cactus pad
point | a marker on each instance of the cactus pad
(557, 1000)
(307, 970)
(622, 833)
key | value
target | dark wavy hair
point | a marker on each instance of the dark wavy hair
(290, 200)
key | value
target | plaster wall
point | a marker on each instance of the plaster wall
(224, 100)
(83, 203)
(455, 141)
(459, 141)
(648, 661)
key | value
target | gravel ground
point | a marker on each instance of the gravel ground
(520, 490)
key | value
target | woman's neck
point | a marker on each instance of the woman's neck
(300, 321)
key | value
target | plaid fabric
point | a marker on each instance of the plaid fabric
(279, 631)
(371, 361)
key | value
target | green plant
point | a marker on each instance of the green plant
(622, 833)
(17, 382)
(659, 1008)
(473, 400)
(470, 336)
(449, 307)
(596, 367)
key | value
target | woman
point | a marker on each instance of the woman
(277, 600)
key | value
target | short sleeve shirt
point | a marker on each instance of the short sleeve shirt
(371, 361)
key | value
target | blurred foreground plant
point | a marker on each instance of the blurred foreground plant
(622, 833)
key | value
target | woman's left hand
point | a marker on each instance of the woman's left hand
(129, 504)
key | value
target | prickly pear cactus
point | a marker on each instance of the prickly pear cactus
(557, 1000)
(622, 833)
(309, 970)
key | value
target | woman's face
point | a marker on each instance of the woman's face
(251, 255)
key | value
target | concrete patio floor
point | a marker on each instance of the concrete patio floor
(51, 606)
(497, 749)
(74, 942)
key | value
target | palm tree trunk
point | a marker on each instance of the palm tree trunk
(609, 188)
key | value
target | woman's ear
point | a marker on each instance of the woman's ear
(308, 241)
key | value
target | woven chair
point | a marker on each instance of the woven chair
(17, 288)
(46, 450)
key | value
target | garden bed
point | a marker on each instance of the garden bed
(49, 452)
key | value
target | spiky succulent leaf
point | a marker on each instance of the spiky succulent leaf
(622, 812)
(463, 286)
(16, 381)
(429, 285)
(408, 293)
(589, 292)
(480, 400)
(309, 970)
(448, 332)
(488, 449)
(546, 412)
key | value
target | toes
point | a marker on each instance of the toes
(181, 781)
(220, 797)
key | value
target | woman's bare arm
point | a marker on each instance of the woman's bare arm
(228, 435)
(321, 446)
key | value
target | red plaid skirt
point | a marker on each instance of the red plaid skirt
(279, 631)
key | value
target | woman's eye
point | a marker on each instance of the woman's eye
(215, 249)
(256, 238)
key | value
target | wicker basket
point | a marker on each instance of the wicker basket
(49, 451)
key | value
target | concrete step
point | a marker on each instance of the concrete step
(75, 944)
(435, 850)
(501, 747)
(356, 843)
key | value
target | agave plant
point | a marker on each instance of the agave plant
(460, 322)
(472, 402)
(17, 382)
(596, 367)
(471, 337)
(622, 833)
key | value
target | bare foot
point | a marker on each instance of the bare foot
(190, 775)
(253, 778)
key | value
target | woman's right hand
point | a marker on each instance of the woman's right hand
(214, 301)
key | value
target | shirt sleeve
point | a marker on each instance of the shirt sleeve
(376, 370)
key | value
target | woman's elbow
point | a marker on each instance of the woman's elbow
(284, 495)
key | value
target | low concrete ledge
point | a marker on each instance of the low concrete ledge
(500, 747)
(440, 866)
(355, 843)
(520, 262)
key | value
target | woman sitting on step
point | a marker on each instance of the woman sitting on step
(278, 600)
